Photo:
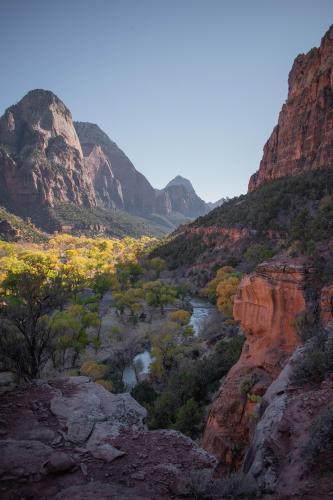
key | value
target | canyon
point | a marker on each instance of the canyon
(262, 421)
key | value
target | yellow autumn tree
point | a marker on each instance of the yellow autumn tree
(222, 288)
(226, 291)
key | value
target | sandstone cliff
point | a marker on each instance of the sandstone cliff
(266, 305)
(41, 158)
(115, 178)
(303, 137)
(46, 160)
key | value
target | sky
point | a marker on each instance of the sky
(184, 87)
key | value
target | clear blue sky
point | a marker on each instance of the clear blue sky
(190, 87)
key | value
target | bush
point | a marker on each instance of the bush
(93, 370)
(188, 418)
(248, 382)
(189, 388)
(180, 316)
(318, 452)
(257, 253)
(313, 364)
(144, 393)
(107, 384)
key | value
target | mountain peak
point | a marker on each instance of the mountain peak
(181, 181)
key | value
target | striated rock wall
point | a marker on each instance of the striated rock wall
(41, 158)
(130, 190)
(266, 305)
(303, 137)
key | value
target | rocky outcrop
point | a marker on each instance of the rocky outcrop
(279, 453)
(266, 305)
(303, 137)
(41, 158)
(69, 438)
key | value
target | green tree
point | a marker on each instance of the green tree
(159, 294)
(165, 350)
(32, 291)
(71, 327)
(188, 418)
(157, 265)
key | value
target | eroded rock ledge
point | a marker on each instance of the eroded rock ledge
(266, 305)
(69, 438)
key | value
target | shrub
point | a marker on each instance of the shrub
(318, 452)
(248, 382)
(313, 364)
(188, 418)
(144, 393)
(93, 370)
(257, 253)
(181, 316)
(107, 384)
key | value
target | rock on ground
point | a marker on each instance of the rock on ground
(69, 438)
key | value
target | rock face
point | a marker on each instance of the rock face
(69, 438)
(182, 198)
(41, 158)
(117, 182)
(276, 458)
(46, 159)
(266, 305)
(303, 137)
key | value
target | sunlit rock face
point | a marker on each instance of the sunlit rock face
(266, 305)
(41, 159)
(303, 137)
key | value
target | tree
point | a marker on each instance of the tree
(188, 417)
(71, 327)
(131, 301)
(157, 265)
(159, 294)
(181, 317)
(32, 291)
(182, 290)
(128, 274)
(222, 288)
(226, 291)
(93, 370)
(165, 350)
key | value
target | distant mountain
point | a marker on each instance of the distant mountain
(48, 162)
(183, 199)
(216, 204)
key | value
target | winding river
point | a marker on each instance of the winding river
(202, 309)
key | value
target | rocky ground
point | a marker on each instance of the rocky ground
(69, 438)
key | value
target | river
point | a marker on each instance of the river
(201, 311)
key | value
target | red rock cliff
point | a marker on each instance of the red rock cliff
(266, 305)
(303, 137)
(41, 159)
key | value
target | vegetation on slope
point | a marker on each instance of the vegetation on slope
(291, 213)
